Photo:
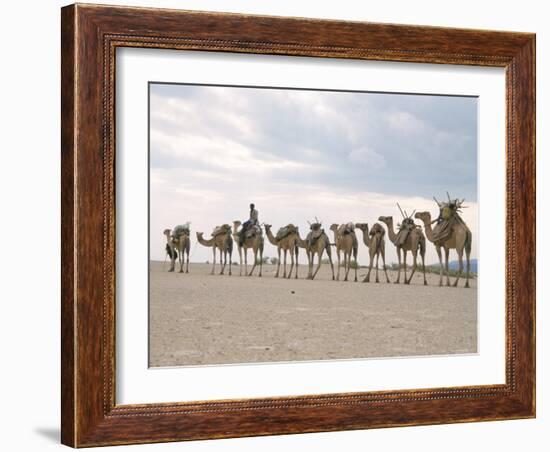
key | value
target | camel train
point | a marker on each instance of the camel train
(449, 233)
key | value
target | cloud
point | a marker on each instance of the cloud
(299, 154)
(367, 156)
(404, 121)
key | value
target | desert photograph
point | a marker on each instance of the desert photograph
(300, 225)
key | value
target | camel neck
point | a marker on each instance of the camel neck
(366, 239)
(391, 233)
(428, 229)
(270, 237)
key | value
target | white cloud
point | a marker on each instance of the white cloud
(206, 206)
(296, 155)
(367, 156)
(405, 122)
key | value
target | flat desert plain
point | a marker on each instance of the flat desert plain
(198, 318)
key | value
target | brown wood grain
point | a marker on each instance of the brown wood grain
(90, 36)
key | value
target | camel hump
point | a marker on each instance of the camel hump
(181, 229)
(222, 229)
(377, 229)
(285, 231)
(347, 228)
(253, 231)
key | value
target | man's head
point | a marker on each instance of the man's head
(251, 206)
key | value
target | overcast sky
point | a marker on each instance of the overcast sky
(299, 154)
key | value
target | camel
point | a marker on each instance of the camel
(414, 242)
(345, 241)
(177, 245)
(286, 243)
(221, 241)
(316, 242)
(376, 243)
(256, 243)
(457, 236)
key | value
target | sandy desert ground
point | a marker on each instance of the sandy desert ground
(198, 318)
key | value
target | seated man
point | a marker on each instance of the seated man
(252, 221)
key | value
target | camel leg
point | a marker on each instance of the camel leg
(291, 263)
(318, 264)
(172, 260)
(422, 255)
(230, 257)
(447, 266)
(467, 269)
(172, 264)
(398, 265)
(284, 265)
(347, 264)
(414, 267)
(459, 252)
(367, 278)
(347, 259)
(309, 264)
(213, 260)
(183, 263)
(405, 265)
(329, 254)
(255, 256)
(356, 265)
(383, 253)
(296, 252)
(377, 260)
(438, 249)
(187, 263)
(261, 260)
(222, 263)
(338, 258)
(245, 262)
(278, 262)
(240, 261)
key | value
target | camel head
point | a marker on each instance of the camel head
(267, 227)
(334, 227)
(386, 220)
(425, 217)
(363, 226)
(236, 225)
(168, 234)
(199, 235)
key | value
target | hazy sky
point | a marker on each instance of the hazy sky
(299, 154)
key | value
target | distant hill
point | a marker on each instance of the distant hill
(473, 265)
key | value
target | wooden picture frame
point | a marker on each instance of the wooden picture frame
(90, 36)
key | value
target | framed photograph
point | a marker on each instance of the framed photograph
(281, 225)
